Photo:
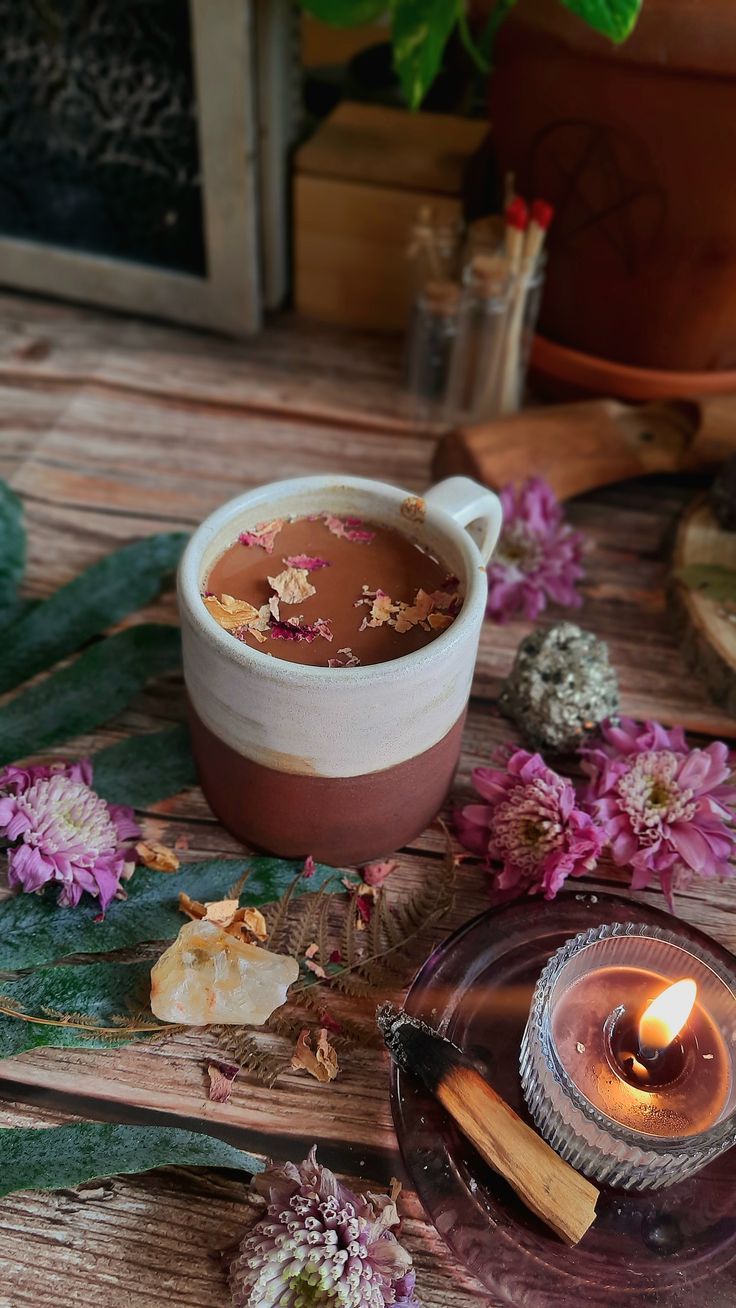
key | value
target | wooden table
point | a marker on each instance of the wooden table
(112, 429)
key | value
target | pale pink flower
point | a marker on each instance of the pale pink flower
(537, 557)
(529, 823)
(320, 1243)
(59, 829)
(667, 810)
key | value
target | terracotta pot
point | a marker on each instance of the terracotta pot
(635, 146)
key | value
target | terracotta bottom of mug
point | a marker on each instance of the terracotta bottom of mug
(339, 820)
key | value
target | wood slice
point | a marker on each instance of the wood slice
(709, 631)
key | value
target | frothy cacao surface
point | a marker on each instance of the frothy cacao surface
(376, 592)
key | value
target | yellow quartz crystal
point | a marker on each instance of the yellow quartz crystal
(208, 975)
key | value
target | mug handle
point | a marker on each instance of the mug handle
(472, 506)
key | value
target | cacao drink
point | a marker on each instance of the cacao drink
(330, 630)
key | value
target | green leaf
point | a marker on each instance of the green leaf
(420, 30)
(711, 579)
(33, 1158)
(98, 992)
(12, 545)
(99, 684)
(34, 930)
(345, 13)
(99, 597)
(144, 769)
(615, 19)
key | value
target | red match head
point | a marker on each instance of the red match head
(517, 214)
(542, 214)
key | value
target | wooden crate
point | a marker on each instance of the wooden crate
(359, 183)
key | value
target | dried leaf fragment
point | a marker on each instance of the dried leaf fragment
(222, 1077)
(292, 585)
(264, 534)
(414, 508)
(321, 1063)
(156, 856)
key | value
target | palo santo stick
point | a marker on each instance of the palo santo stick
(532, 243)
(559, 1195)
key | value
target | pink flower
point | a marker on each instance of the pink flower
(320, 1243)
(530, 824)
(538, 555)
(61, 830)
(667, 810)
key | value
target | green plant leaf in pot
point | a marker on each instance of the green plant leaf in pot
(99, 597)
(420, 30)
(35, 930)
(615, 19)
(12, 547)
(345, 13)
(54, 1158)
(91, 690)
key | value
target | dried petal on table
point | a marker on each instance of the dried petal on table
(374, 874)
(222, 1077)
(292, 585)
(156, 856)
(208, 975)
(321, 1063)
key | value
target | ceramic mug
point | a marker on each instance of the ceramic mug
(347, 764)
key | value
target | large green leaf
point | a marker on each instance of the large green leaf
(91, 690)
(12, 545)
(613, 18)
(144, 769)
(58, 1157)
(34, 930)
(98, 992)
(420, 29)
(99, 597)
(345, 13)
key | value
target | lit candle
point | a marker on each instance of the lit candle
(645, 1053)
(628, 1062)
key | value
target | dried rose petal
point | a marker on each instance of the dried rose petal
(192, 907)
(310, 867)
(306, 561)
(335, 956)
(349, 661)
(292, 585)
(348, 528)
(264, 534)
(231, 613)
(318, 971)
(222, 1076)
(323, 629)
(292, 631)
(221, 911)
(374, 874)
(156, 856)
(438, 621)
(321, 1063)
(329, 1022)
(312, 950)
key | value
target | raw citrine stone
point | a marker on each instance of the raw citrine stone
(210, 976)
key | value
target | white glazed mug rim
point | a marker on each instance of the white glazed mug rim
(282, 671)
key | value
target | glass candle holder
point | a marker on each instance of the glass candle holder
(622, 1122)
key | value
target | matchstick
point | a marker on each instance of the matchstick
(559, 1195)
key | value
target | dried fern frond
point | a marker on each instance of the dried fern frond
(375, 964)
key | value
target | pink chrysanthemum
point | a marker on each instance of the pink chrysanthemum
(538, 555)
(320, 1244)
(666, 809)
(530, 823)
(60, 830)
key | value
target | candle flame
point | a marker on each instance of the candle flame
(666, 1015)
